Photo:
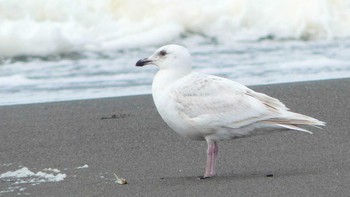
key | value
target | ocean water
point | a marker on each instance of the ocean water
(54, 50)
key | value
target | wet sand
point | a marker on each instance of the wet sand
(126, 136)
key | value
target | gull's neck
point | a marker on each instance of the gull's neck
(166, 77)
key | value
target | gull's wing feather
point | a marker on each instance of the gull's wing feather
(207, 99)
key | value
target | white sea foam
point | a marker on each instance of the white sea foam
(15, 80)
(24, 175)
(81, 167)
(43, 27)
(114, 74)
(20, 179)
(21, 173)
(103, 35)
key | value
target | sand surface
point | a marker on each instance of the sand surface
(126, 136)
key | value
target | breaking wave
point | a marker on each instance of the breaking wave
(44, 27)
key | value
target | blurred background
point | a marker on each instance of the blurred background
(54, 50)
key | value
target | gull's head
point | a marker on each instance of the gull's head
(169, 57)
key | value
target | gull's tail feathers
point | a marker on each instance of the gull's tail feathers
(294, 120)
(293, 127)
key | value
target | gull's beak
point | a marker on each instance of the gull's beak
(143, 62)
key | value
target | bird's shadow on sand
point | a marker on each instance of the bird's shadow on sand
(258, 175)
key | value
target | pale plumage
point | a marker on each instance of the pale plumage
(211, 108)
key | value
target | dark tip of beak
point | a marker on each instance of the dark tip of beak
(143, 62)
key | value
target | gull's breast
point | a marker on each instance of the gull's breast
(177, 121)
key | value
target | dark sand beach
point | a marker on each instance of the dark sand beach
(126, 136)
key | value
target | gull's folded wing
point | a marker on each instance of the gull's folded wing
(207, 99)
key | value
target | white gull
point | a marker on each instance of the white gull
(211, 108)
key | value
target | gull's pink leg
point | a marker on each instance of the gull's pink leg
(213, 163)
(212, 153)
(208, 165)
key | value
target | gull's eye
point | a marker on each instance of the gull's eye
(162, 53)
